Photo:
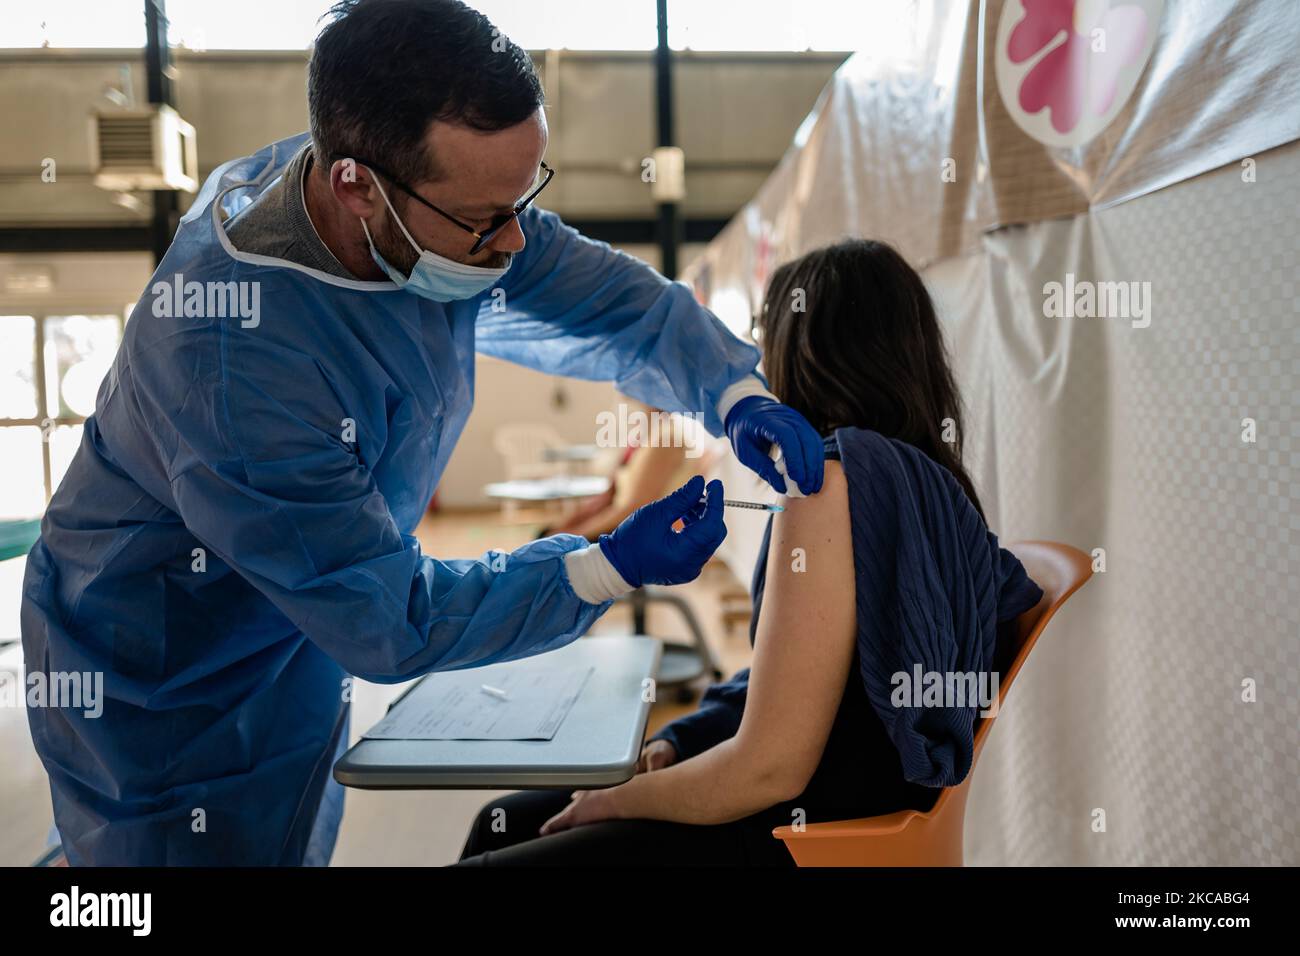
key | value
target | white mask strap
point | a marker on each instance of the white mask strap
(396, 217)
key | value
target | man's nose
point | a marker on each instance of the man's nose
(510, 238)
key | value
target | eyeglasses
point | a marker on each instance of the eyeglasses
(498, 222)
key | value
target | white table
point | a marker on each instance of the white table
(597, 745)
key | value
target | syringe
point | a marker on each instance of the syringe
(753, 505)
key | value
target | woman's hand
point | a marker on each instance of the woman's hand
(656, 755)
(587, 806)
(593, 806)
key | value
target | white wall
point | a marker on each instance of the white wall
(509, 394)
(84, 282)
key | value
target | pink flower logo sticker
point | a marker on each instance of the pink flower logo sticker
(1065, 68)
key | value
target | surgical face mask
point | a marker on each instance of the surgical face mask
(433, 276)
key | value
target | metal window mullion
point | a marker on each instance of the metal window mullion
(42, 410)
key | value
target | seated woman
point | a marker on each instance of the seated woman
(851, 340)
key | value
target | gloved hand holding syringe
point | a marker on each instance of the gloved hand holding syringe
(792, 489)
(648, 548)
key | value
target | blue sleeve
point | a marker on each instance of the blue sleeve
(261, 478)
(573, 306)
(717, 718)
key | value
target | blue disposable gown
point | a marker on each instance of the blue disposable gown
(233, 537)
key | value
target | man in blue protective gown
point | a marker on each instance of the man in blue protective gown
(234, 536)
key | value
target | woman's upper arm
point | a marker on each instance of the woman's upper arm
(807, 629)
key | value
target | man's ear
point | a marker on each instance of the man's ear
(354, 187)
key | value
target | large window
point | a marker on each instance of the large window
(50, 370)
(533, 24)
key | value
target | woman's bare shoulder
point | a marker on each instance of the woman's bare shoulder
(818, 527)
(828, 509)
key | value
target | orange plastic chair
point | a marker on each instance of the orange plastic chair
(934, 837)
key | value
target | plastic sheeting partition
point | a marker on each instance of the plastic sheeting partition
(1130, 440)
(924, 143)
(1168, 441)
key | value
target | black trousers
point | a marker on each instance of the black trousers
(505, 834)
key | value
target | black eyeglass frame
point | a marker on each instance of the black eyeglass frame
(499, 221)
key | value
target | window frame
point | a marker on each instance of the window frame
(43, 420)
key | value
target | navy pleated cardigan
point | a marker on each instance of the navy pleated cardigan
(932, 586)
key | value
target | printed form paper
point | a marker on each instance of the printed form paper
(454, 706)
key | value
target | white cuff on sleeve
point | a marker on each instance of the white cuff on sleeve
(592, 577)
(747, 386)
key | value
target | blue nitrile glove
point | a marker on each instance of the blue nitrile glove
(645, 549)
(756, 423)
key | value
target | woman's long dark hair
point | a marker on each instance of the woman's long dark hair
(850, 339)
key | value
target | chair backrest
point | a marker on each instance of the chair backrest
(523, 446)
(1059, 570)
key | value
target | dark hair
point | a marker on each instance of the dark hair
(850, 339)
(383, 70)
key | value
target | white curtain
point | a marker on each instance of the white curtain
(1109, 436)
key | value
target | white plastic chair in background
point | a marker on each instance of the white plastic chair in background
(523, 446)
